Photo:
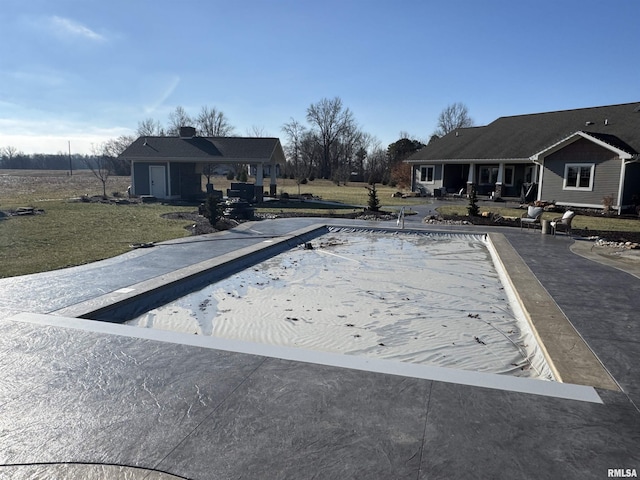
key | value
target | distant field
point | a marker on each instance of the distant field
(18, 188)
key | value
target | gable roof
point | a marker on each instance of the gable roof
(206, 149)
(522, 136)
(609, 142)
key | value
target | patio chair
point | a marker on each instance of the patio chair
(423, 191)
(532, 217)
(563, 222)
(460, 193)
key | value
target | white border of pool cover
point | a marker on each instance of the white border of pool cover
(476, 379)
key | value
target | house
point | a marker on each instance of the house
(575, 157)
(172, 167)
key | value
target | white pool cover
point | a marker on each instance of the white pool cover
(430, 299)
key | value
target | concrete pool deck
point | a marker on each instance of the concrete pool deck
(95, 398)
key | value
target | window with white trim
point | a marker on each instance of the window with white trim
(427, 173)
(578, 176)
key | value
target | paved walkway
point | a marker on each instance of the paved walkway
(92, 400)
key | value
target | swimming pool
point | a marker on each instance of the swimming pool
(435, 299)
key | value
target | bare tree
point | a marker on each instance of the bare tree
(346, 149)
(113, 148)
(100, 164)
(150, 128)
(329, 120)
(377, 165)
(211, 122)
(454, 116)
(256, 131)
(310, 155)
(294, 131)
(9, 155)
(178, 118)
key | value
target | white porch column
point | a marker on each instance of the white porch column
(132, 187)
(259, 175)
(499, 181)
(500, 173)
(259, 187)
(471, 178)
(272, 180)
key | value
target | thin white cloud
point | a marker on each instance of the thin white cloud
(68, 27)
(173, 84)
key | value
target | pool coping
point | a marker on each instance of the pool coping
(567, 353)
(570, 358)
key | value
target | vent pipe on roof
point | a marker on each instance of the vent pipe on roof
(606, 121)
(586, 124)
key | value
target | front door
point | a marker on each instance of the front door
(157, 179)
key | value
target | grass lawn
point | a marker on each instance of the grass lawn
(353, 193)
(72, 233)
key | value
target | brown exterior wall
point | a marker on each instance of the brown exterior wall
(606, 174)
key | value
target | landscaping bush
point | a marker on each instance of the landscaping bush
(213, 209)
(242, 176)
(473, 208)
(373, 202)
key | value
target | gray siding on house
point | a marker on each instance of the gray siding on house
(606, 174)
(141, 179)
(174, 177)
(185, 182)
(437, 177)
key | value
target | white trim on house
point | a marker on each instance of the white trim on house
(623, 169)
(597, 206)
(423, 172)
(576, 136)
(468, 160)
(579, 167)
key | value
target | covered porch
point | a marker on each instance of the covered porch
(492, 178)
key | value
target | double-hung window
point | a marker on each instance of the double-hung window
(578, 176)
(427, 173)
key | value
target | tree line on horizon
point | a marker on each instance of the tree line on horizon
(329, 144)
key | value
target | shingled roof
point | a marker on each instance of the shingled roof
(519, 137)
(206, 149)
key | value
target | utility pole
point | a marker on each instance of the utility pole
(70, 166)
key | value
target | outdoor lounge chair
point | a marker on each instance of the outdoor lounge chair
(460, 193)
(532, 217)
(563, 223)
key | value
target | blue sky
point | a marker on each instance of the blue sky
(87, 70)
